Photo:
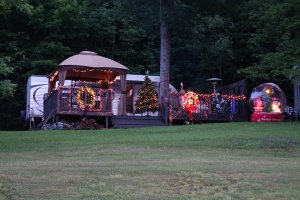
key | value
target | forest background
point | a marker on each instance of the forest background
(230, 39)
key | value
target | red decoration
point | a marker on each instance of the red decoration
(266, 117)
(258, 105)
(190, 103)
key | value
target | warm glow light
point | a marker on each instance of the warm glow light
(276, 106)
(258, 105)
(204, 102)
(268, 91)
(53, 76)
(147, 100)
(190, 103)
(81, 100)
(117, 78)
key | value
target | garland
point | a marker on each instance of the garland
(80, 98)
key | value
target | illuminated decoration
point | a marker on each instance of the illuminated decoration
(53, 76)
(147, 100)
(86, 98)
(81, 70)
(258, 105)
(208, 104)
(190, 103)
(175, 110)
(268, 101)
(224, 96)
(100, 82)
(272, 97)
(103, 100)
(276, 106)
(234, 97)
(117, 78)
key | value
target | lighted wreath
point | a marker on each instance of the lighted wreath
(190, 103)
(88, 94)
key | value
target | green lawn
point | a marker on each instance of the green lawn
(205, 161)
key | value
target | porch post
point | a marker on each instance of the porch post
(51, 86)
(123, 95)
(61, 77)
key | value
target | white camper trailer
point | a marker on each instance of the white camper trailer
(37, 86)
(37, 89)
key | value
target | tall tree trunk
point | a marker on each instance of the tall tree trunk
(113, 42)
(165, 6)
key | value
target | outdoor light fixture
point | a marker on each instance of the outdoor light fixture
(214, 82)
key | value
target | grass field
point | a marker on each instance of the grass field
(205, 161)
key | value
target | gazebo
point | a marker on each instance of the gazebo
(89, 92)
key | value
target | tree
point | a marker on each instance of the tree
(212, 34)
(165, 45)
(147, 100)
(274, 40)
(6, 87)
(22, 6)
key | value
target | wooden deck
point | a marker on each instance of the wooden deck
(209, 109)
(136, 121)
(63, 104)
(63, 101)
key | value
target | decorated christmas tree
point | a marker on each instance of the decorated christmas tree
(147, 100)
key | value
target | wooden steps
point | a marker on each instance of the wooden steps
(136, 121)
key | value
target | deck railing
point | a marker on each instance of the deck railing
(50, 104)
(211, 107)
(64, 100)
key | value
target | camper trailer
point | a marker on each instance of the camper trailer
(36, 92)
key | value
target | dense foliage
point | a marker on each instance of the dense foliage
(231, 39)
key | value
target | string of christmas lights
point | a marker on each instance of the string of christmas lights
(53, 76)
(84, 102)
(190, 102)
(147, 100)
(199, 104)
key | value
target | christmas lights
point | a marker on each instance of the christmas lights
(190, 102)
(193, 104)
(147, 100)
(84, 95)
(53, 76)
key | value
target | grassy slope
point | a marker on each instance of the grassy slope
(207, 161)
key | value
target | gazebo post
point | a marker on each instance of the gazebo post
(61, 77)
(123, 94)
(50, 86)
